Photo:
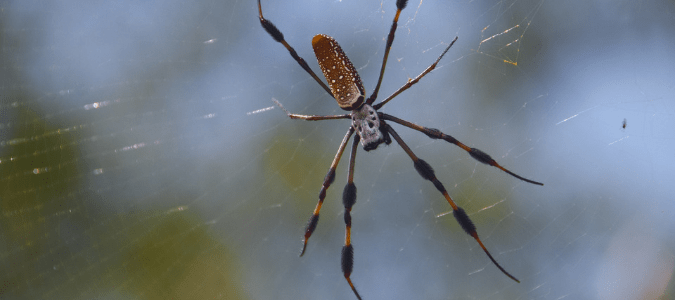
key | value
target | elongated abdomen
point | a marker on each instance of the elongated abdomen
(343, 80)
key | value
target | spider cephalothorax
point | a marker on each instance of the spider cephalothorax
(369, 127)
(371, 130)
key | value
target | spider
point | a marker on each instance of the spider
(372, 129)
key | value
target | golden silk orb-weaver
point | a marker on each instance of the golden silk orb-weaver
(372, 129)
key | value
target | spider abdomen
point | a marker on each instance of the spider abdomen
(343, 80)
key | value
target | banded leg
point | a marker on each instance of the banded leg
(308, 117)
(279, 37)
(400, 5)
(330, 177)
(475, 153)
(425, 170)
(412, 82)
(348, 200)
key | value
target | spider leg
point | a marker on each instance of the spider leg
(416, 79)
(279, 37)
(475, 153)
(348, 200)
(308, 117)
(400, 5)
(330, 177)
(425, 170)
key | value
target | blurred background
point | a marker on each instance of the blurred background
(141, 156)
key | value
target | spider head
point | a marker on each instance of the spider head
(369, 127)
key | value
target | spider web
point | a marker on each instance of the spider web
(141, 156)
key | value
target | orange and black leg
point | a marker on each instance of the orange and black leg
(327, 181)
(425, 170)
(348, 199)
(475, 153)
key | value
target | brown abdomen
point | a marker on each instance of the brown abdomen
(343, 80)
